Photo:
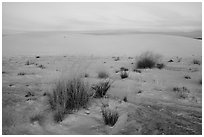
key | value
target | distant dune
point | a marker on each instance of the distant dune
(57, 43)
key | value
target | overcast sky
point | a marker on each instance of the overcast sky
(183, 17)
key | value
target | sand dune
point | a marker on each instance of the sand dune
(56, 43)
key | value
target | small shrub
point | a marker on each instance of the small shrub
(37, 118)
(68, 95)
(187, 77)
(101, 89)
(110, 117)
(123, 74)
(41, 66)
(196, 61)
(125, 99)
(102, 74)
(147, 60)
(21, 73)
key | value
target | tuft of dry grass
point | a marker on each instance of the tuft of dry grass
(110, 116)
(101, 88)
(68, 95)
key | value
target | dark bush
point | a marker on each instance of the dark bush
(147, 60)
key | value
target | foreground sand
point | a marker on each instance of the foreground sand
(152, 106)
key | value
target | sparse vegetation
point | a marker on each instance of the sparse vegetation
(182, 92)
(103, 74)
(110, 116)
(196, 61)
(68, 95)
(147, 60)
(41, 66)
(123, 74)
(101, 89)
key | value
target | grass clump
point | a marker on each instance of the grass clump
(68, 95)
(110, 116)
(147, 60)
(101, 89)
(103, 74)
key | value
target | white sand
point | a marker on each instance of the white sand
(55, 43)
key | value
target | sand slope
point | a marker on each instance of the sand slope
(55, 43)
